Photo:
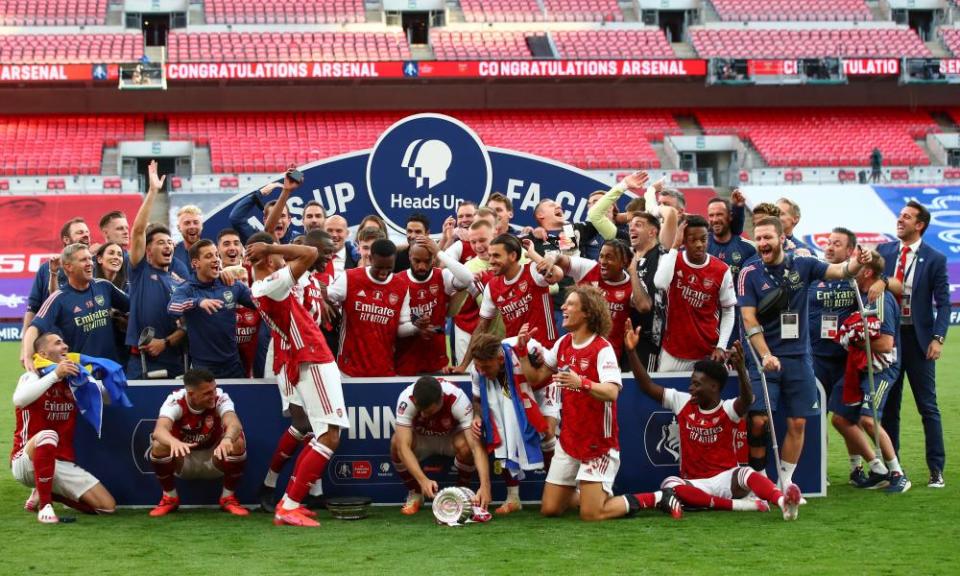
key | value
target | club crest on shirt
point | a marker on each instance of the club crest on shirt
(228, 296)
(620, 294)
(522, 286)
(393, 299)
(708, 283)
(736, 257)
(434, 289)
(584, 364)
(208, 421)
(100, 300)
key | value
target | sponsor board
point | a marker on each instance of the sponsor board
(191, 71)
(649, 446)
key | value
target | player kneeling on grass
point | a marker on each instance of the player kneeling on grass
(434, 418)
(710, 476)
(43, 455)
(198, 436)
(584, 366)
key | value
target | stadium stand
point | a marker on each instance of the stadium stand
(586, 44)
(63, 145)
(583, 10)
(456, 45)
(799, 10)
(813, 137)
(284, 11)
(53, 13)
(551, 11)
(951, 37)
(286, 46)
(808, 43)
(70, 48)
(501, 11)
(591, 139)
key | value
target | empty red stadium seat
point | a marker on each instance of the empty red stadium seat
(4, 185)
(112, 184)
(70, 48)
(45, 145)
(803, 10)
(603, 139)
(900, 175)
(588, 44)
(808, 43)
(846, 176)
(284, 11)
(455, 45)
(948, 174)
(951, 37)
(286, 46)
(176, 183)
(53, 13)
(825, 137)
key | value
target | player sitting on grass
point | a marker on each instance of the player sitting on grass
(710, 476)
(434, 418)
(198, 436)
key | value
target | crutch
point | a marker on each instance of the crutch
(766, 399)
(870, 378)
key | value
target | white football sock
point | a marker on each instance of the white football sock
(786, 472)
(856, 461)
(513, 493)
(271, 479)
(894, 465)
(877, 467)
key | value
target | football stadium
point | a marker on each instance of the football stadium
(479, 286)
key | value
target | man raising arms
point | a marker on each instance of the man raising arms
(309, 366)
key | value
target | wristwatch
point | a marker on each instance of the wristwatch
(938, 339)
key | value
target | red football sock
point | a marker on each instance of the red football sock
(697, 498)
(286, 447)
(233, 468)
(465, 472)
(44, 466)
(509, 479)
(764, 488)
(408, 480)
(310, 466)
(165, 469)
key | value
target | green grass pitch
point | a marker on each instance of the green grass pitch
(849, 532)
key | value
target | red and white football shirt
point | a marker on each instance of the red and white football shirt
(248, 328)
(617, 294)
(455, 414)
(56, 410)
(203, 427)
(372, 314)
(588, 426)
(293, 328)
(523, 299)
(695, 296)
(428, 298)
(708, 438)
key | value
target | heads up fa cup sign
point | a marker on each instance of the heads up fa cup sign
(426, 163)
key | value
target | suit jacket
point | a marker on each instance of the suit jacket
(930, 298)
